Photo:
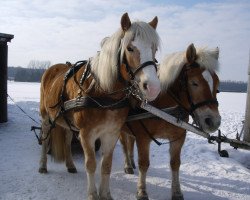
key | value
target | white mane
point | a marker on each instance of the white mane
(105, 63)
(172, 64)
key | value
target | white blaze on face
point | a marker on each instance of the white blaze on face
(145, 55)
(208, 77)
(149, 72)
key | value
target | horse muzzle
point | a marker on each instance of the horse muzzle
(209, 122)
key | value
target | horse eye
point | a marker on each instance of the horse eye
(130, 49)
(194, 84)
(217, 91)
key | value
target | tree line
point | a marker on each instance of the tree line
(233, 86)
(35, 70)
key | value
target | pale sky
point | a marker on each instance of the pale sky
(71, 30)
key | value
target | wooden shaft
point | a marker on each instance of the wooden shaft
(246, 137)
(173, 120)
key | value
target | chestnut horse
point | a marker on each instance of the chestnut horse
(188, 80)
(125, 61)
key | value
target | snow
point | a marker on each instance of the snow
(204, 174)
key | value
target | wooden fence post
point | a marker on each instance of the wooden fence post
(246, 136)
(4, 38)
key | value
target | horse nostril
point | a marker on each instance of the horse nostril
(145, 86)
(208, 121)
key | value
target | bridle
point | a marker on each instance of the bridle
(184, 86)
(132, 73)
(133, 84)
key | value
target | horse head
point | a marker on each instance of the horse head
(202, 85)
(196, 85)
(140, 44)
(130, 53)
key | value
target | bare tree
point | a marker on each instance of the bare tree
(33, 72)
(37, 64)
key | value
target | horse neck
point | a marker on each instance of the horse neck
(175, 95)
(96, 90)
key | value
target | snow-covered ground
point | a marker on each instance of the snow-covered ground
(204, 174)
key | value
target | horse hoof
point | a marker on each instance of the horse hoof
(72, 170)
(42, 170)
(177, 197)
(93, 196)
(129, 170)
(142, 196)
(106, 198)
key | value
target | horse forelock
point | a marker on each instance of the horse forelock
(208, 58)
(144, 32)
(172, 64)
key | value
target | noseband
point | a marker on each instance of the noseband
(133, 73)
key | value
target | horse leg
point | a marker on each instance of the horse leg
(175, 161)
(88, 145)
(68, 155)
(45, 144)
(143, 146)
(128, 152)
(108, 142)
(131, 144)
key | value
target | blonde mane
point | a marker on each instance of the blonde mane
(172, 64)
(105, 63)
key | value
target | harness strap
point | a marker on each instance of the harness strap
(72, 71)
(144, 65)
(170, 92)
(86, 73)
(95, 102)
(70, 126)
(203, 103)
(146, 130)
(148, 133)
(140, 67)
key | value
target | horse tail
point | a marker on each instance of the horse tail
(58, 143)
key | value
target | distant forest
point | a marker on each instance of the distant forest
(36, 69)
(32, 73)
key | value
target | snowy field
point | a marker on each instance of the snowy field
(204, 174)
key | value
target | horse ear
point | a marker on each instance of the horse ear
(125, 22)
(191, 54)
(154, 22)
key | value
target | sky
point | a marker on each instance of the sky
(71, 30)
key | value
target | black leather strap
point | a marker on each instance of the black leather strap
(144, 65)
(95, 102)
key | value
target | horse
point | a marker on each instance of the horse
(188, 80)
(125, 65)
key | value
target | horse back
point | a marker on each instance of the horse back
(51, 86)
